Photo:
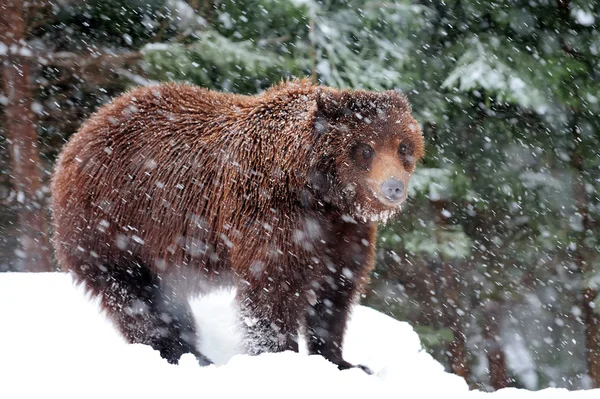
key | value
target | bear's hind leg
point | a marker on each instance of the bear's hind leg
(144, 313)
(270, 320)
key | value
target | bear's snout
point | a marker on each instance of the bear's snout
(393, 190)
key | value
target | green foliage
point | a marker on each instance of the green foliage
(207, 62)
(507, 93)
(111, 23)
(493, 66)
(433, 242)
(432, 338)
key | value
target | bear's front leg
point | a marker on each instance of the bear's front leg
(346, 263)
(269, 296)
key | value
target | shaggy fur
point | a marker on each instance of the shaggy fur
(173, 190)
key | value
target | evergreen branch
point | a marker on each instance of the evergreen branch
(65, 59)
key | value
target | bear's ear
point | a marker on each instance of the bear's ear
(332, 104)
(398, 100)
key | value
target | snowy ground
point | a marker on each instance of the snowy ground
(54, 343)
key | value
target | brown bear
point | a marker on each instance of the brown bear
(173, 190)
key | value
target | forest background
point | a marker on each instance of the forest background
(495, 259)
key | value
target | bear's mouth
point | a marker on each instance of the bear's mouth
(378, 216)
(377, 208)
(390, 204)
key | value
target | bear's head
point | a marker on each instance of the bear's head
(369, 146)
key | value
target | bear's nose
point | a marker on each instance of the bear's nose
(392, 189)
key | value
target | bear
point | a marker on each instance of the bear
(173, 190)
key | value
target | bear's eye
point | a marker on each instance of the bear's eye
(403, 149)
(367, 151)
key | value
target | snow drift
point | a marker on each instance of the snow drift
(54, 342)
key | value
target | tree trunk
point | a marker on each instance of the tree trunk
(21, 135)
(457, 350)
(591, 319)
(581, 255)
(591, 337)
(493, 345)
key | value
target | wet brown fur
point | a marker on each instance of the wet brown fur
(173, 190)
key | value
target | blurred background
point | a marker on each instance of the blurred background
(495, 260)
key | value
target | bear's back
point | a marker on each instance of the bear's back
(164, 171)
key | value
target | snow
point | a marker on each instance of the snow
(434, 182)
(481, 67)
(16, 49)
(37, 108)
(583, 17)
(54, 342)
(520, 361)
(185, 15)
(156, 47)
